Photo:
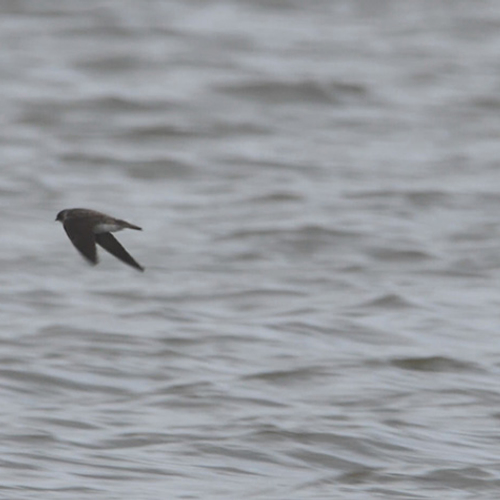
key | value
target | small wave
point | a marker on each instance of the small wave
(387, 301)
(286, 376)
(308, 91)
(433, 364)
(421, 198)
(394, 255)
(306, 232)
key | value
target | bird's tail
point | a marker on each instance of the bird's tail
(130, 226)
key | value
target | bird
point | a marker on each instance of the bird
(86, 227)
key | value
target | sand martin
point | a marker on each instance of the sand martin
(85, 228)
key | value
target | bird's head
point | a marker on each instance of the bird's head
(61, 216)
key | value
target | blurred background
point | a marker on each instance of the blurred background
(318, 184)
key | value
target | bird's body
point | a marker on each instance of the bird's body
(86, 227)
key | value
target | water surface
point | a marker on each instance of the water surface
(319, 190)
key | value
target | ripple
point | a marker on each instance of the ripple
(282, 92)
(434, 364)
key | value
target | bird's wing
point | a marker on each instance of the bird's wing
(81, 235)
(113, 246)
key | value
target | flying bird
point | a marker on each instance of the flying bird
(85, 228)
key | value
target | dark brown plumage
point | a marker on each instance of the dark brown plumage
(85, 228)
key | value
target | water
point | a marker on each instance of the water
(319, 190)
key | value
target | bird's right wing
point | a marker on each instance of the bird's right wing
(113, 246)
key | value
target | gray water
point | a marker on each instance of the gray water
(319, 187)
